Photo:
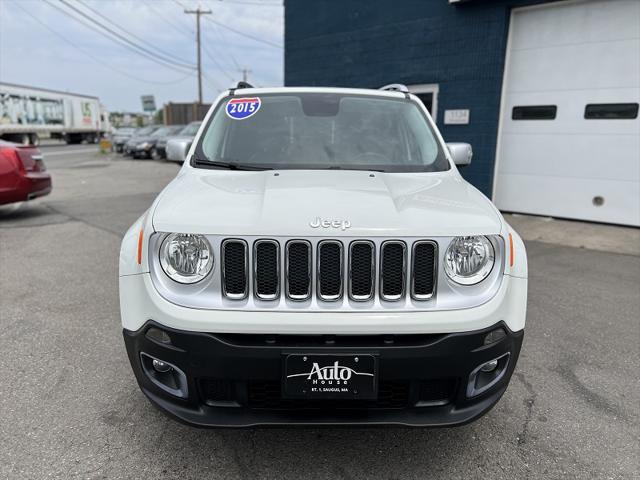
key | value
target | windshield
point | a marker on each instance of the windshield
(164, 131)
(147, 130)
(160, 132)
(124, 131)
(191, 129)
(322, 131)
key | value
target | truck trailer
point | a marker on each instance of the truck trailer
(27, 113)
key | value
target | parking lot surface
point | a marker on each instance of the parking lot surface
(70, 407)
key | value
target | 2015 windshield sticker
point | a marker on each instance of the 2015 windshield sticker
(241, 108)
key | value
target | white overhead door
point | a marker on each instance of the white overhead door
(569, 139)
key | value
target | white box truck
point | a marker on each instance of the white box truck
(27, 113)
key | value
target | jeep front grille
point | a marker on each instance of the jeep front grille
(234, 269)
(423, 279)
(393, 265)
(266, 273)
(333, 268)
(298, 270)
(329, 270)
(362, 270)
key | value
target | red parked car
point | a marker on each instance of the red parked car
(23, 175)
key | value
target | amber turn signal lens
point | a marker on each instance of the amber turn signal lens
(512, 256)
(140, 237)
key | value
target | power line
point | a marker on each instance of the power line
(228, 50)
(179, 63)
(141, 40)
(98, 60)
(90, 27)
(211, 82)
(122, 40)
(224, 71)
(175, 25)
(238, 32)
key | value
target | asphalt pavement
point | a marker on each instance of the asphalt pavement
(70, 406)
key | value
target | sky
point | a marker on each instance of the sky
(48, 44)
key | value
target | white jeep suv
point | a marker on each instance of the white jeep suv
(319, 260)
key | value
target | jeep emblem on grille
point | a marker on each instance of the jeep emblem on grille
(319, 222)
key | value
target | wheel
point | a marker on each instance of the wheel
(34, 139)
(24, 139)
(72, 138)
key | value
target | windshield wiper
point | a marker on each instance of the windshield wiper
(214, 164)
(338, 167)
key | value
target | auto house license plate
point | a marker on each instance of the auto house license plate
(330, 376)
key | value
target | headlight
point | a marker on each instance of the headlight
(144, 146)
(186, 258)
(469, 260)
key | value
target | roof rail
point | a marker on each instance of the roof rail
(395, 87)
(240, 86)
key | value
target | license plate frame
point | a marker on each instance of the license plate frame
(313, 376)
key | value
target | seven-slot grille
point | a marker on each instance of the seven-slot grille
(365, 270)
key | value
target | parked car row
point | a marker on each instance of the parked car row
(23, 175)
(170, 142)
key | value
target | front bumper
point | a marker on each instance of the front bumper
(161, 150)
(234, 380)
(142, 152)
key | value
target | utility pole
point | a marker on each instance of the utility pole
(198, 12)
(245, 74)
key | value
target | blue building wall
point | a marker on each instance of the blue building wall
(370, 43)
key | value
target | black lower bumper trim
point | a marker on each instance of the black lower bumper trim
(235, 380)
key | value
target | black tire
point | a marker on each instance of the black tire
(72, 138)
(34, 139)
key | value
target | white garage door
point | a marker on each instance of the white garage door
(569, 140)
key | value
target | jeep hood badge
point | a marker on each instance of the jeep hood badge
(324, 223)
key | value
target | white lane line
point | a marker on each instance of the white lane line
(46, 154)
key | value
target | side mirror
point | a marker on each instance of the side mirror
(461, 153)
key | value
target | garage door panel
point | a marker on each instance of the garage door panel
(570, 112)
(565, 157)
(553, 68)
(572, 198)
(570, 55)
(570, 23)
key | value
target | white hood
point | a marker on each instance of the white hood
(286, 202)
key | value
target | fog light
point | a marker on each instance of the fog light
(165, 375)
(487, 367)
(487, 375)
(160, 366)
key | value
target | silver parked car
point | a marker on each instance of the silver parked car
(178, 146)
(120, 137)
